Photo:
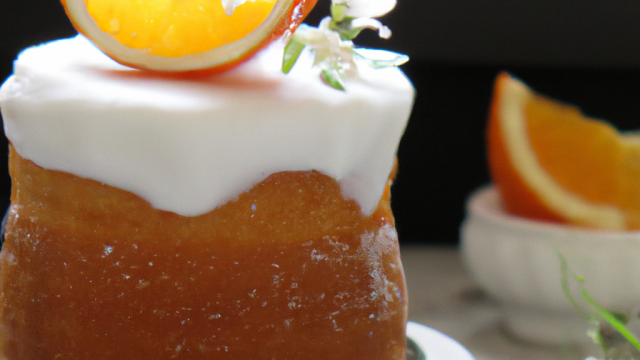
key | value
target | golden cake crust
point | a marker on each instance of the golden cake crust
(289, 268)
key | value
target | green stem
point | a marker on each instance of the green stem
(612, 320)
(565, 285)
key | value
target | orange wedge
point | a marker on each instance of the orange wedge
(185, 35)
(550, 162)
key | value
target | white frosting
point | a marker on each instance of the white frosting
(189, 146)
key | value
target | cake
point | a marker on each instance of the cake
(241, 216)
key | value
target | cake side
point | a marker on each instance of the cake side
(89, 271)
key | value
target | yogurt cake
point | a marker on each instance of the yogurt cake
(242, 216)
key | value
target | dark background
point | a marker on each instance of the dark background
(585, 52)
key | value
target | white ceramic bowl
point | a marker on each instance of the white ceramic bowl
(436, 345)
(516, 261)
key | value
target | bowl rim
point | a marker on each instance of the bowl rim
(485, 203)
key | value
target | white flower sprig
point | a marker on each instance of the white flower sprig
(367, 8)
(331, 42)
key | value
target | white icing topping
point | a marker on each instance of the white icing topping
(189, 146)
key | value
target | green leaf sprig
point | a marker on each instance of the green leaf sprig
(334, 52)
(615, 320)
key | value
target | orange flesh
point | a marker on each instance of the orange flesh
(167, 28)
(569, 147)
(290, 270)
(588, 157)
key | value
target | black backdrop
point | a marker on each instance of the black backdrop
(585, 52)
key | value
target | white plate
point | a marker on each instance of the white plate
(436, 345)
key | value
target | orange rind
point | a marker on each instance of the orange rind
(184, 36)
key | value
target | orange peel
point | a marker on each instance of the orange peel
(184, 36)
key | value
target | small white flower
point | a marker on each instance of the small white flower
(373, 24)
(334, 53)
(367, 8)
(330, 51)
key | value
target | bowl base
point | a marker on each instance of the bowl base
(553, 328)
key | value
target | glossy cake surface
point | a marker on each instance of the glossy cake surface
(289, 270)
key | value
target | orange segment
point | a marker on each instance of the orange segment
(184, 35)
(167, 28)
(550, 162)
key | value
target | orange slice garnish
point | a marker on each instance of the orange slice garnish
(185, 35)
(550, 162)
